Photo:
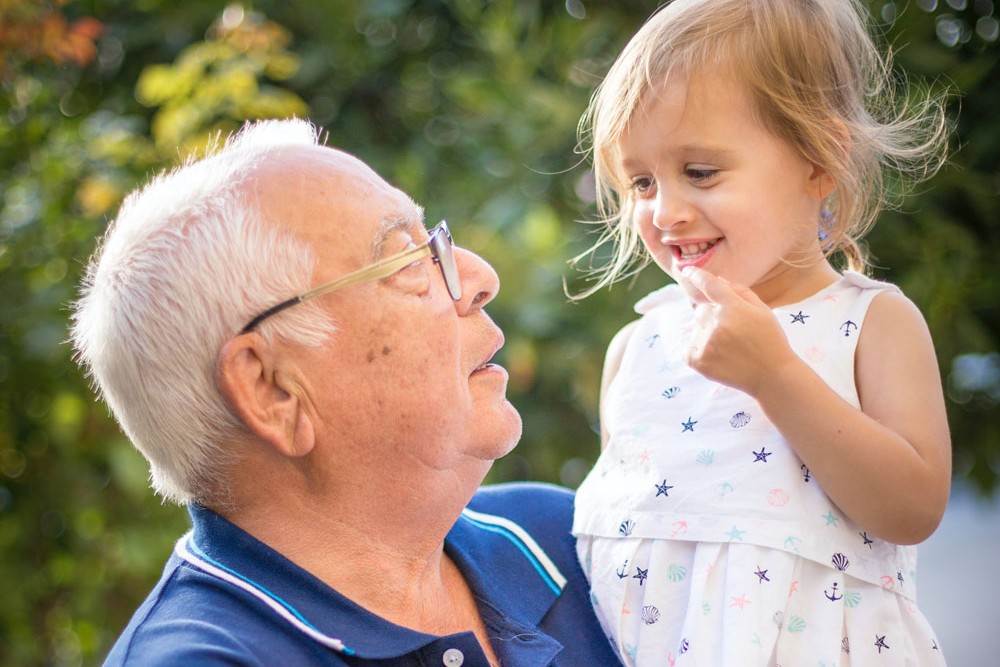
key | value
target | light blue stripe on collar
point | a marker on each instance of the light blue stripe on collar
(546, 569)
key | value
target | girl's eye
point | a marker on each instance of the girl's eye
(642, 185)
(700, 174)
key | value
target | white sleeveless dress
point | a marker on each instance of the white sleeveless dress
(706, 539)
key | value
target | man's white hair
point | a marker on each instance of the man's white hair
(186, 264)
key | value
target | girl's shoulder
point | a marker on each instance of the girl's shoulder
(672, 293)
(855, 279)
(858, 287)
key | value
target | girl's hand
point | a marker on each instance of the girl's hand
(737, 340)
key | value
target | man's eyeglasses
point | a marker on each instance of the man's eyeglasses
(438, 246)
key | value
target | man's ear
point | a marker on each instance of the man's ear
(267, 401)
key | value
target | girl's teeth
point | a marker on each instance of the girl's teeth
(690, 250)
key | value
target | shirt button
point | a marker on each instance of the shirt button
(453, 658)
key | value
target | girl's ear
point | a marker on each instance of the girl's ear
(267, 401)
(821, 183)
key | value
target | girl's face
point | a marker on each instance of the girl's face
(713, 188)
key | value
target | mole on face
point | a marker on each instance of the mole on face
(370, 357)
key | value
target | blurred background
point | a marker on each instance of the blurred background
(471, 107)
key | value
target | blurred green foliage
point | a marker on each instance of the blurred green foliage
(471, 107)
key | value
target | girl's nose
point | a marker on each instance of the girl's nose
(669, 210)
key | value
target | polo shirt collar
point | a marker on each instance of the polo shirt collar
(511, 578)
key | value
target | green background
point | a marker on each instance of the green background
(469, 106)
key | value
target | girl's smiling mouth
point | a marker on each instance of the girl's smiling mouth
(690, 250)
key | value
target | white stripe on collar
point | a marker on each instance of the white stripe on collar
(546, 568)
(185, 549)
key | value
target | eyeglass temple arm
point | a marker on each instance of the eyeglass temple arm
(377, 270)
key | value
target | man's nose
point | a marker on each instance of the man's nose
(480, 283)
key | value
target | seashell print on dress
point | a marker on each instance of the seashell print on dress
(840, 561)
(777, 498)
(796, 624)
(650, 614)
(739, 420)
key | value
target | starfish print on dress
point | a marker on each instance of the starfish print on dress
(831, 518)
(880, 643)
(641, 575)
(661, 489)
(868, 541)
(761, 575)
(799, 317)
(740, 602)
(761, 455)
(736, 534)
(688, 425)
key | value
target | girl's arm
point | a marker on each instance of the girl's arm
(888, 465)
(612, 362)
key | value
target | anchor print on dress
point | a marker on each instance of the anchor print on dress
(832, 595)
(848, 328)
(622, 572)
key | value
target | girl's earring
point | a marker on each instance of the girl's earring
(825, 225)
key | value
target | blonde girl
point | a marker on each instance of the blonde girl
(774, 431)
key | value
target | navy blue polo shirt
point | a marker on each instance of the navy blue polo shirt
(227, 599)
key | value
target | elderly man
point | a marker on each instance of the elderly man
(309, 369)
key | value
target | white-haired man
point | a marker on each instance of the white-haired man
(309, 369)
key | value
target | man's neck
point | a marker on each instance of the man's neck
(381, 548)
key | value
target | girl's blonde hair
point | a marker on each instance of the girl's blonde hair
(817, 81)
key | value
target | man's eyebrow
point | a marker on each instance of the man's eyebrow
(389, 225)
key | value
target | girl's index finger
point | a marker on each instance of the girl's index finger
(711, 288)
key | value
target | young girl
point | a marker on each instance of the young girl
(774, 430)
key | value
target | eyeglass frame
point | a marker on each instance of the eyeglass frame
(439, 246)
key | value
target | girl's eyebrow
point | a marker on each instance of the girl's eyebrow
(705, 152)
(689, 152)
